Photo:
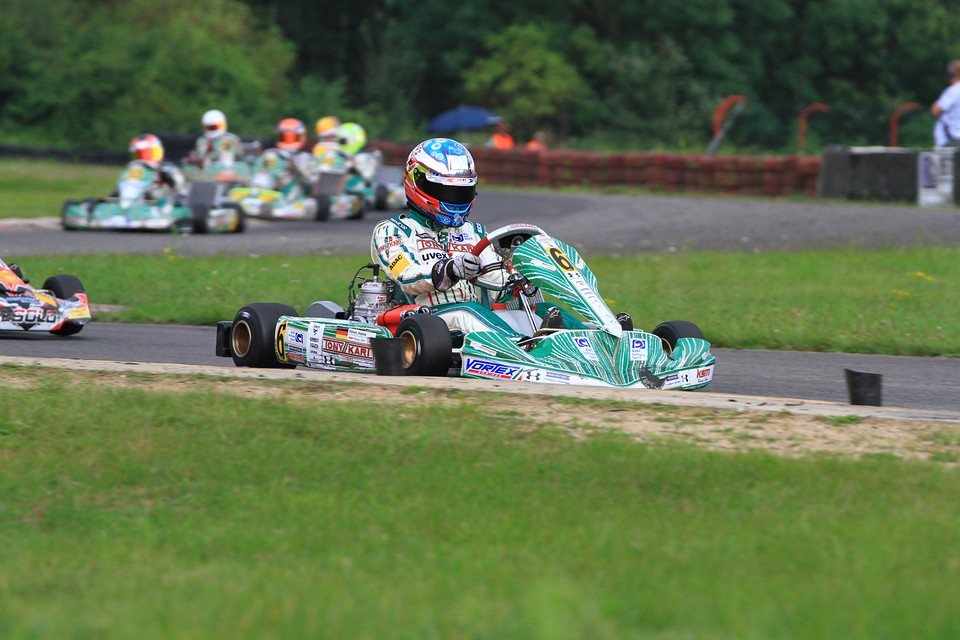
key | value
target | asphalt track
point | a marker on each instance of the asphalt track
(595, 224)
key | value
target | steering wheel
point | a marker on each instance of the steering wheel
(505, 241)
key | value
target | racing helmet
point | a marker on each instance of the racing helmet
(214, 124)
(147, 148)
(327, 128)
(351, 137)
(440, 181)
(291, 134)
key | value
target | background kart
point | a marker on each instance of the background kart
(349, 186)
(672, 356)
(262, 198)
(59, 307)
(129, 209)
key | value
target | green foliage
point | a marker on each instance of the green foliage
(620, 75)
(525, 80)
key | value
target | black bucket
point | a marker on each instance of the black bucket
(864, 387)
(386, 356)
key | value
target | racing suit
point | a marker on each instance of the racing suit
(224, 149)
(413, 249)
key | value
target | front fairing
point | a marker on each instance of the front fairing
(24, 308)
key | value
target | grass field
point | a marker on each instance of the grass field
(38, 188)
(130, 512)
(893, 301)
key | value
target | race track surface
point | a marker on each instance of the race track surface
(593, 223)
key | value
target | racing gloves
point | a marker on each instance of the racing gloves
(446, 273)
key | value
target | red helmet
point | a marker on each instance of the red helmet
(147, 148)
(291, 134)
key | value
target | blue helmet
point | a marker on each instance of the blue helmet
(440, 181)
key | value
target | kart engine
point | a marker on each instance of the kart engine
(372, 299)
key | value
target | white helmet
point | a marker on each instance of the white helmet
(214, 123)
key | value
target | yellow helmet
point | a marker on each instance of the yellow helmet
(327, 126)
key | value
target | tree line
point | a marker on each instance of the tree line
(603, 74)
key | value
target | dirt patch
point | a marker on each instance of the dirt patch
(779, 432)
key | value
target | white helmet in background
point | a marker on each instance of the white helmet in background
(214, 124)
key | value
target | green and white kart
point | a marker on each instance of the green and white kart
(129, 209)
(347, 187)
(674, 355)
(262, 199)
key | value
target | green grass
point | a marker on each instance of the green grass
(893, 301)
(126, 513)
(38, 188)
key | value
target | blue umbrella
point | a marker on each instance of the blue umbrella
(463, 119)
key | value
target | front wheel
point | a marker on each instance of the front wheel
(253, 337)
(64, 287)
(381, 197)
(426, 348)
(670, 332)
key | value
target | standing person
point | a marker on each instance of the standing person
(501, 139)
(946, 132)
(538, 143)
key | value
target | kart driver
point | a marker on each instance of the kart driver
(326, 129)
(216, 146)
(299, 167)
(146, 149)
(427, 251)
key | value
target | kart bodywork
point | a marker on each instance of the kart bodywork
(129, 209)
(59, 307)
(263, 199)
(348, 187)
(674, 355)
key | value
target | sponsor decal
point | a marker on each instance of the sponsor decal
(295, 336)
(343, 333)
(583, 344)
(401, 226)
(488, 369)
(361, 351)
(485, 349)
(430, 256)
(19, 315)
(460, 237)
(398, 264)
(423, 245)
(391, 242)
(638, 348)
(560, 378)
(459, 248)
(359, 336)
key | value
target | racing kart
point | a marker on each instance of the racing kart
(674, 355)
(263, 198)
(346, 185)
(129, 209)
(59, 307)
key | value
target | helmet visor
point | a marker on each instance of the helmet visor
(213, 127)
(449, 193)
(148, 154)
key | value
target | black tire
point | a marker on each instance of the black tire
(426, 347)
(670, 332)
(241, 216)
(200, 198)
(199, 213)
(381, 196)
(323, 207)
(252, 336)
(63, 287)
(362, 211)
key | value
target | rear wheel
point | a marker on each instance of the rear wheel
(64, 287)
(323, 207)
(381, 196)
(253, 335)
(241, 217)
(63, 214)
(670, 332)
(426, 348)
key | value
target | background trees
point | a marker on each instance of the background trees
(601, 74)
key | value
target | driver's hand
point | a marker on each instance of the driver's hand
(464, 266)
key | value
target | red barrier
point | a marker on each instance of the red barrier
(758, 175)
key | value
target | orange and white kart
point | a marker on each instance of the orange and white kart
(60, 307)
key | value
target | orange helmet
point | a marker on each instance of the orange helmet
(291, 134)
(147, 147)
